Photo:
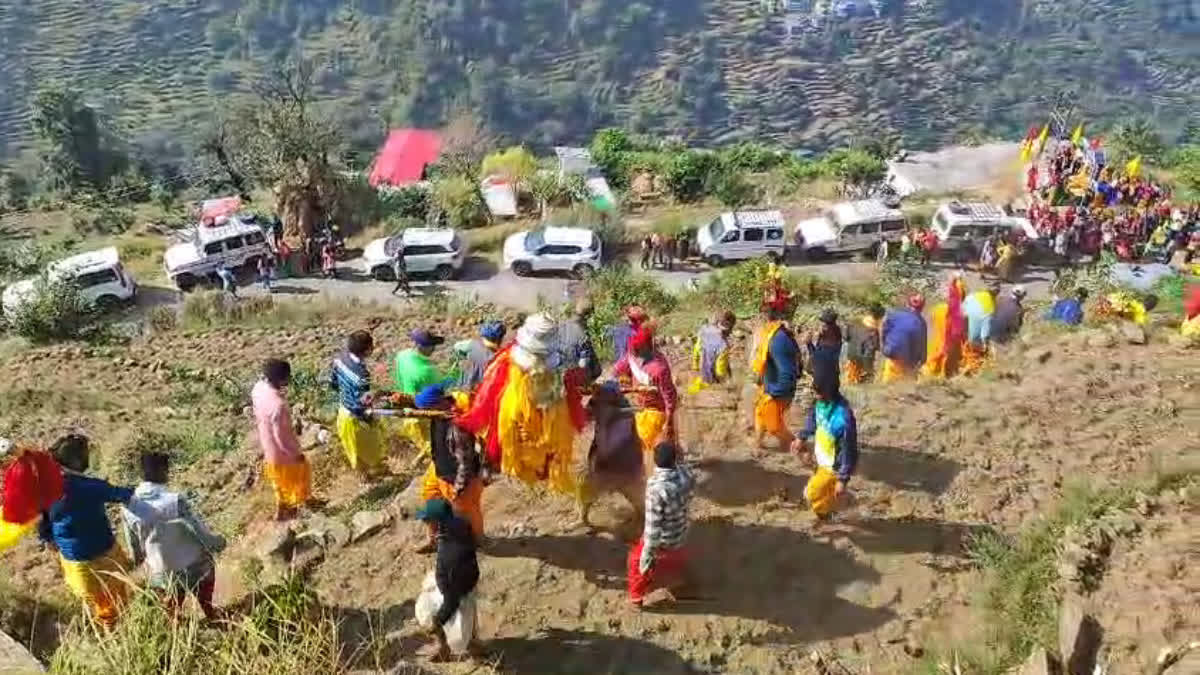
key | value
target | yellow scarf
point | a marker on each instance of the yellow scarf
(762, 349)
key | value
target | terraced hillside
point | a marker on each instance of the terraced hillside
(553, 70)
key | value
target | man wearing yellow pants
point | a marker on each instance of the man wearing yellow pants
(94, 566)
(833, 433)
(454, 472)
(356, 429)
(284, 464)
(776, 365)
(647, 367)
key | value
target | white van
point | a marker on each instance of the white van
(741, 236)
(958, 224)
(850, 227)
(101, 279)
(237, 243)
(439, 252)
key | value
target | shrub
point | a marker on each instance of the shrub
(856, 167)
(733, 190)
(283, 630)
(609, 148)
(407, 202)
(15, 191)
(689, 174)
(184, 445)
(207, 309)
(751, 157)
(27, 259)
(457, 199)
(104, 219)
(54, 310)
(516, 164)
(613, 289)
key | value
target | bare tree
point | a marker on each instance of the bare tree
(465, 142)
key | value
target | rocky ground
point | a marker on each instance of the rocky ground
(889, 581)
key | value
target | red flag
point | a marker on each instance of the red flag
(1095, 142)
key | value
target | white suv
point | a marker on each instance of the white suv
(235, 244)
(101, 279)
(553, 249)
(439, 252)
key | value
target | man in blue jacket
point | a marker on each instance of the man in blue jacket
(904, 336)
(1069, 310)
(94, 565)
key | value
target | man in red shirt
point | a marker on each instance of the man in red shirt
(647, 367)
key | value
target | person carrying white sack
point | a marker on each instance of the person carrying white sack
(446, 606)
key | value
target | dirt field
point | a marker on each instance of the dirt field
(889, 580)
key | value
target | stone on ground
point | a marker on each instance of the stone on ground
(1079, 637)
(366, 523)
(15, 659)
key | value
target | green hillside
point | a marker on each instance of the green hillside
(551, 71)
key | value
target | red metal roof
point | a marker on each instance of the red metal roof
(404, 156)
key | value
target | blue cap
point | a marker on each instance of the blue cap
(431, 396)
(493, 331)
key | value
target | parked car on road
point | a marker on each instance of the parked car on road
(742, 235)
(574, 250)
(850, 227)
(439, 252)
(959, 224)
(101, 279)
(236, 244)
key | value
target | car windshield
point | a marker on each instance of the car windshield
(535, 240)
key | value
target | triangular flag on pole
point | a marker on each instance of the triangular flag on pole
(1077, 135)
(1133, 167)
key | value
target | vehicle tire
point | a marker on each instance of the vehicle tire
(107, 303)
(444, 272)
(772, 256)
(522, 268)
(186, 282)
(715, 261)
(817, 254)
(383, 273)
(582, 271)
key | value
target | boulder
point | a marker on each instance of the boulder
(366, 523)
(15, 658)
(1132, 333)
(325, 532)
(1040, 662)
(1079, 637)
(409, 500)
(276, 542)
(1100, 339)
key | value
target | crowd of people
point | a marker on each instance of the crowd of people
(1079, 205)
(513, 404)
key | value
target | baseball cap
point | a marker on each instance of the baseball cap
(435, 510)
(424, 338)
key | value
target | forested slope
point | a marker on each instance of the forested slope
(550, 71)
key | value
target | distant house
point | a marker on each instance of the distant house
(404, 157)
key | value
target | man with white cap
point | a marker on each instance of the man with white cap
(531, 406)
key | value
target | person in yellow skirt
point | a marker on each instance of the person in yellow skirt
(862, 344)
(455, 469)
(645, 366)
(531, 407)
(356, 428)
(710, 353)
(776, 366)
(284, 464)
(903, 339)
(94, 565)
(832, 431)
(947, 329)
(979, 308)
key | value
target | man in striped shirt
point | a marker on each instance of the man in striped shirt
(357, 430)
(658, 559)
